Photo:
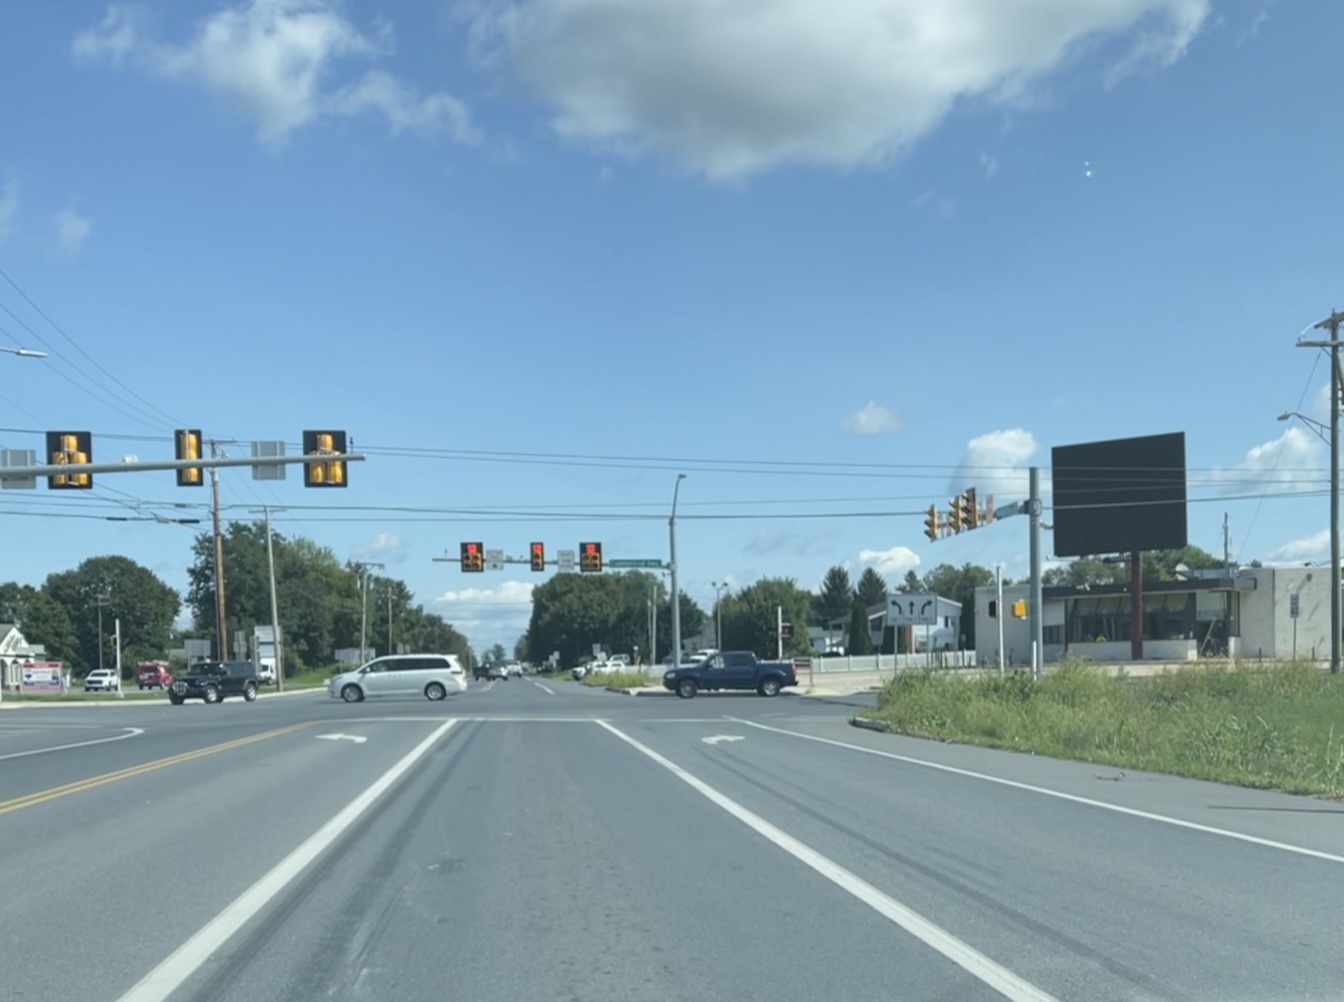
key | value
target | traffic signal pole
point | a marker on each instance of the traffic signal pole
(1037, 590)
(221, 631)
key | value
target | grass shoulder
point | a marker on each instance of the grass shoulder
(618, 679)
(1278, 727)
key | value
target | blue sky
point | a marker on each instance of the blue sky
(696, 236)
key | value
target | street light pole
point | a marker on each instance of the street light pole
(672, 568)
(24, 352)
(719, 589)
(1332, 324)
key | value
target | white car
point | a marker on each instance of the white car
(433, 676)
(101, 680)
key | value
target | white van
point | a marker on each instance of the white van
(433, 676)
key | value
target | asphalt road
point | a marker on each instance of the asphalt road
(538, 840)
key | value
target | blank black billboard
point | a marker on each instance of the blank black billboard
(1119, 496)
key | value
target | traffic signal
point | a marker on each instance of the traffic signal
(473, 557)
(324, 443)
(188, 446)
(988, 515)
(538, 556)
(1020, 608)
(590, 558)
(69, 448)
(955, 520)
(786, 630)
(931, 523)
(970, 509)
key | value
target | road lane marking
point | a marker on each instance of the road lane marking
(182, 963)
(55, 792)
(131, 732)
(715, 739)
(358, 739)
(965, 956)
(549, 692)
(1133, 812)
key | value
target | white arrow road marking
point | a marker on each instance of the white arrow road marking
(720, 738)
(356, 738)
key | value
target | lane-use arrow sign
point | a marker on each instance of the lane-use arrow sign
(720, 738)
(356, 738)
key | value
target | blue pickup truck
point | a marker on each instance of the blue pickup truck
(730, 670)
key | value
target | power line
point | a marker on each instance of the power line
(91, 360)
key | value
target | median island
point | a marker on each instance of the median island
(619, 680)
(1272, 727)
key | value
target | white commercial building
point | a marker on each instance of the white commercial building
(1255, 612)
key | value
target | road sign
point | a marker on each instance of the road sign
(645, 562)
(564, 561)
(912, 610)
(494, 560)
(1294, 605)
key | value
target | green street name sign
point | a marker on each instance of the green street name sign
(635, 563)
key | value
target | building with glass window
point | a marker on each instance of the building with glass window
(1254, 612)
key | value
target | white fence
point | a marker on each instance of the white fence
(894, 662)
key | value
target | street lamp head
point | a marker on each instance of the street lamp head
(30, 353)
(1286, 416)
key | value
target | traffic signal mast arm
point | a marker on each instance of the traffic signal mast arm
(964, 512)
(71, 469)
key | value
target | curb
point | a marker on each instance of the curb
(615, 688)
(870, 725)
(40, 704)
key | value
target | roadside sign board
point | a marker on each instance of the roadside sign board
(41, 676)
(494, 560)
(1294, 605)
(564, 561)
(645, 562)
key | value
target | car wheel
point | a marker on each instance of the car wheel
(435, 691)
(352, 693)
(176, 700)
(686, 688)
(249, 692)
(211, 694)
(769, 687)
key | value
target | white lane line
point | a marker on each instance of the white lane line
(182, 963)
(1132, 812)
(549, 692)
(131, 732)
(965, 956)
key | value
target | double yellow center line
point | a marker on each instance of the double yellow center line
(55, 792)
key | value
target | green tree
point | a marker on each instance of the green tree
(133, 594)
(871, 589)
(751, 617)
(911, 584)
(41, 619)
(836, 595)
(1085, 571)
(520, 647)
(495, 653)
(860, 636)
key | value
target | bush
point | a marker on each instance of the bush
(619, 679)
(1274, 727)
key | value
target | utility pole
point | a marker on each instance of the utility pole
(653, 625)
(221, 625)
(1332, 324)
(364, 566)
(998, 610)
(275, 607)
(100, 603)
(672, 568)
(389, 620)
(1037, 592)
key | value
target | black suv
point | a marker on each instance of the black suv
(213, 680)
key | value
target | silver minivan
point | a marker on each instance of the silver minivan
(433, 676)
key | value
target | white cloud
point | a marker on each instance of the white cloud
(1292, 461)
(729, 88)
(997, 463)
(489, 615)
(274, 59)
(944, 206)
(873, 419)
(386, 546)
(9, 207)
(1313, 547)
(72, 230)
(896, 560)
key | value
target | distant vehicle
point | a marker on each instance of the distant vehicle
(731, 670)
(433, 676)
(215, 681)
(101, 680)
(153, 675)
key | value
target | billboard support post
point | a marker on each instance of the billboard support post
(1136, 605)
